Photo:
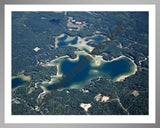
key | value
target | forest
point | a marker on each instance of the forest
(38, 29)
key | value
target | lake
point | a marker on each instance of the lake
(77, 73)
(17, 82)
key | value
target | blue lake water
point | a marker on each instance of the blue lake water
(74, 41)
(77, 74)
(62, 42)
(96, 38)
(17, 81)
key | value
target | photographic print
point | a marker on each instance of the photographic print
(90, 63)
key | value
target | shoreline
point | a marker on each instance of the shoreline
(81, 42)
(97, 59)
(123, 77)
(56, 39)
(69, 38)
(117, 58)
(23, 77)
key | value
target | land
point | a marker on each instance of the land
(41, 30)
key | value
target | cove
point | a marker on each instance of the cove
(77, 73)
(17, 82)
